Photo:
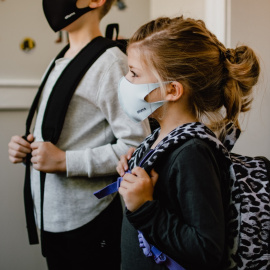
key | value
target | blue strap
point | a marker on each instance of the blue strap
(113, 187)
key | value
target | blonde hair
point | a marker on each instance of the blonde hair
(184, 50)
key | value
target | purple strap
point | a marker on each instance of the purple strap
(159, 257)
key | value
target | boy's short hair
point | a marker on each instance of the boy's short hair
(106, 8)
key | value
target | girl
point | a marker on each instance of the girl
(181, 75)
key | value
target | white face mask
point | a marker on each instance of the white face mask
(131, 97)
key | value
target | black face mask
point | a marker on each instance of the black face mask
(61, 13)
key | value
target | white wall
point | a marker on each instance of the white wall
(194, 8)
(136, 14)
(15, 252)
(21, 19)
(215, 18)
(249, 22)
(212, 12)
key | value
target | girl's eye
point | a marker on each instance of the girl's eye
(133, 74)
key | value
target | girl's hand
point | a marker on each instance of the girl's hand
(137, 188)
(122, 166)
(18, 148)
(46, 157)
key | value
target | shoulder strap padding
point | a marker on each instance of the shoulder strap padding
(66, 85)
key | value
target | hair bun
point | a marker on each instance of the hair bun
(230, 55)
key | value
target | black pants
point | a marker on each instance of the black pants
(96, 245)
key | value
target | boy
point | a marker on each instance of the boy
(81, 232)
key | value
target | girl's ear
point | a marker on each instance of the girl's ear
(175, 91)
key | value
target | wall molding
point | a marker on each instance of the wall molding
(19, 83)
(215, 18)
(17, 94)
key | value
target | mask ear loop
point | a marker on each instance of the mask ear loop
(164, 107)
(150, 103)
(151, 108)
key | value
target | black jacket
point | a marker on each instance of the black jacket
(186, 218)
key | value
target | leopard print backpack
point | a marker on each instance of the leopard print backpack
(249, 193)
(249, 209)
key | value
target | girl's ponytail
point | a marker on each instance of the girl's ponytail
(242, 66)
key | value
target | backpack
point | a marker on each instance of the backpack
(54, 117)
(248, 195)
(249, 209)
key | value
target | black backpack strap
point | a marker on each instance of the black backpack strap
(55, 115)
(42, 189)
(109, 33)
(37, 97)
(66, 85)
(28, 200)
(29, 205)
(110, 30)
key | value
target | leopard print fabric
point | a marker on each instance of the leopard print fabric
(251, 194)
(249, 220)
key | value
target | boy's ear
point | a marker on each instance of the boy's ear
(90, 3)
(96, 3)
(175, 90)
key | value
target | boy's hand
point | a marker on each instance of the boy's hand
(122, 166)
(18, 148)
(46, 157)
(137, 188)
